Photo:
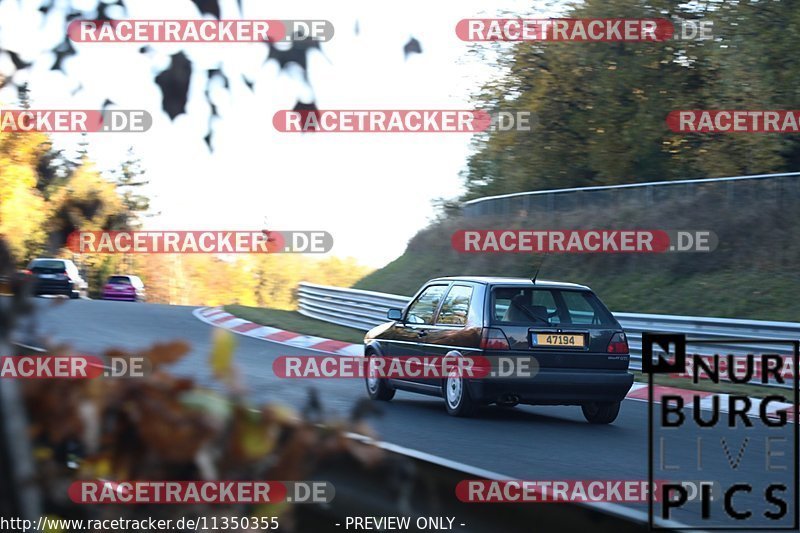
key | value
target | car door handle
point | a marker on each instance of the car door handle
(422, 333)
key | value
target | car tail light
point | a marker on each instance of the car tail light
(618, 344)
(26, 272)
(494, 339)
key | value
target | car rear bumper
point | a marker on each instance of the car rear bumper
(554, 387)
(121, 297)
(53, 287)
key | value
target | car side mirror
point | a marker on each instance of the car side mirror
(394, 314)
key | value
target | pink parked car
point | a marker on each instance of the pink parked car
(124, 287)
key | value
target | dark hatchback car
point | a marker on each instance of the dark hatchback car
(57, 276)
(578, 350)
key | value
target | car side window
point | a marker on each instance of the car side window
(424, 307)
(455, 306)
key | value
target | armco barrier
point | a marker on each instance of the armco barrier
(727, 191)
(366, 309)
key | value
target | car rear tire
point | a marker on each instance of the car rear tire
(377, 388)
(601, 413)
(74, 295)
(456, 396)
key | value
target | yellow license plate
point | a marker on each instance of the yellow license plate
(558, 339)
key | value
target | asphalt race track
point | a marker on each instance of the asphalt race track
(536, 443)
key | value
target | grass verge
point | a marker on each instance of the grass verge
(294, 321)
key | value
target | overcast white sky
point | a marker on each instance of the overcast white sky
(371, 191)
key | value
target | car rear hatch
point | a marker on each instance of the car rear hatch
(50, 274)
(119, 284)
(561, 328)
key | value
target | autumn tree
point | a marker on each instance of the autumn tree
(600, 107)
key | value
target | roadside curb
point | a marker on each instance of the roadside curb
(218, 317)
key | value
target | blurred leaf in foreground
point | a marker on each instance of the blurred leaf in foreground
(167, 352)
(222, 349)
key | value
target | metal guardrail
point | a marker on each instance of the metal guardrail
(366, 309)
(347, 307)
(776, 187)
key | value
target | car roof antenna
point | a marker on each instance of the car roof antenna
(539, 267)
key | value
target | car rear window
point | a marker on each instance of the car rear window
(548, 307)
(42, 265)
(120, 280)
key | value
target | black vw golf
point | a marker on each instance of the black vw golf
(573, 348)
